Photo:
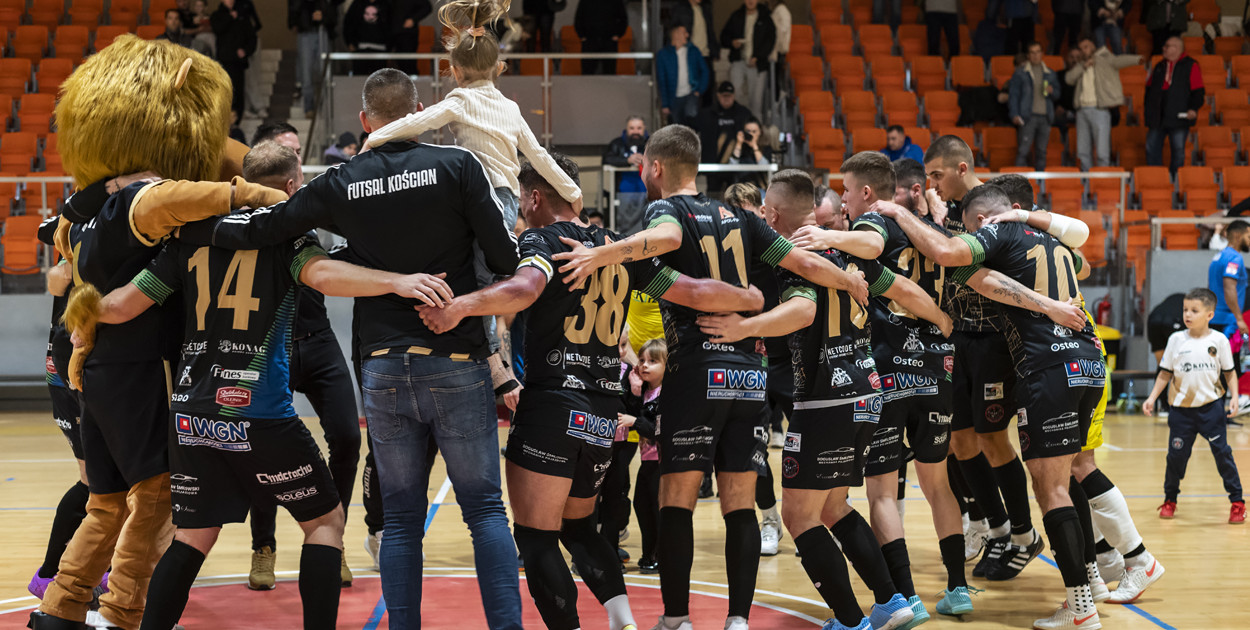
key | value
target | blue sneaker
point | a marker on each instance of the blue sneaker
(891, 614)
(919, 614)
(834, 624)
(956, 602)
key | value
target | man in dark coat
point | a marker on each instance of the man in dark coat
(600, 25)
(367, 29)
(1174, 94)
(234, 24)
(406, 16)
(748, 51)
(696, 16)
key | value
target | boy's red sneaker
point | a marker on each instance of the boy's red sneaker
(1237, 513)
(1168, 509)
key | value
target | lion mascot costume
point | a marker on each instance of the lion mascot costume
(159, 110)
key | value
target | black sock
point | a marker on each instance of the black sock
(1080, 502)
(320, 583)
(1137, 551)
(958, 487)
(979, 476)
(827, 570)
(550, 583)
(1014, 486)
(1063, 528)
(1102, 546)
(952, 548)
(69, 513)
(742, 559)
(676, 553)
(1097, 484)
(902, 481)
(596, 560)
(898, 562)
(765, 494)
(860, 547)
(171, 586)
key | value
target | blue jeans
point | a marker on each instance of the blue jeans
(1154, 146)
(1108, 33)
(409, 400)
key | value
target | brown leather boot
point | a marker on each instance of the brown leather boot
(86, 558)
(145, 536)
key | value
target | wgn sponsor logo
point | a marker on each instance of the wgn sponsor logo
(591, 428)
(1085, 372)
(736, 384)
(867, 410)
(218, 434)
(904, 385)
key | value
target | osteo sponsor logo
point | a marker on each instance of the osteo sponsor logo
(908, 362)
(268, 479)
(235, 375)
(736, 384)
(719, 347)
(1067, 345)
(225, 346)
(218, 434)
(234, 397)
(591, 428)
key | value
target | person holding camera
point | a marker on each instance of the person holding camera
(749, 148)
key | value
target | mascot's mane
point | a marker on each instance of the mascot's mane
(125, 110)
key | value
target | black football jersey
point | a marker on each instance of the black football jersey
(1039, 261)
(969, 311)
(239, 307)
(721, 243)
(833, 358)
(571, 336)
(59, 346)
(900, 338)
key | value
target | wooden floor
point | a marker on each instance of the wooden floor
(1207, 578)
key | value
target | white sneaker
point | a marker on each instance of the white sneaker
(97, 620)
(974, 539)
(1111, 566)
(1097, 585)
(373, 544)
(1065, 619)
(665, 623)
(778, 440)
(1135, 582)
(736, 623)
(770, 535)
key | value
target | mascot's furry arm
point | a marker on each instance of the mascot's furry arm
(82, 311)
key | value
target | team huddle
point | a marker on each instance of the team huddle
(915, 335)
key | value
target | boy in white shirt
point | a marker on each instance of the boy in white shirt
(1193, 362)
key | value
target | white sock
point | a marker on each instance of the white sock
(1001, 530)
(1113, 520)
(964, 517)
(619, 614)
(1081, 600)
(1025, 539)
(1142, 560)
(731, 620)
(1091, 571)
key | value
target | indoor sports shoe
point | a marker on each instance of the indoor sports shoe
(918, 612)
(974, 539)
(675, 623)
(736, 623)
(1065, 619)
(1014, 559)
(373, 545)
(834, 624)
(994, 549)
(261, 577)
(39, 585)
(1135, 582)
(345, 573)
(1097, 586)
(1167, 510)
(891, 614)
(1111, 566)
(957, 601)
(770, 535)
(1237, 513)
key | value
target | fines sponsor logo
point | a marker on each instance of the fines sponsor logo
(867, 410)
(736, 384)
(225, 346)
(268, 479)
(794, 442)
(218, 434)
(235, 375)
(591, 428)
(233, 397)
(612, 386)
(1085, 372)
(292, 496)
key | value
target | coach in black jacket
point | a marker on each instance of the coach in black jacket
(1174, 94)
(748, 52)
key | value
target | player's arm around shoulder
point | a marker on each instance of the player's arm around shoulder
(942, 249)
(789, 316)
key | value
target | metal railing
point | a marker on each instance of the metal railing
(608, 181)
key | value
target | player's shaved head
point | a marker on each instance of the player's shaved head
(948, 151)
(389, 95)
(271, 164)
(1017, 188)
(985, 201)
(530, 179)
(677, 147)
(794, 192)
(908, 173)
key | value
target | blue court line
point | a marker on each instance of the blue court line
(1147, 616)
(379, 609)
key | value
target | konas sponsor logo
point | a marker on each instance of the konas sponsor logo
(235, 375)
(285, 476)
(234, 397)
(591, 428)
(219, 434)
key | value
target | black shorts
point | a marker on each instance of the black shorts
(916, 406)
(710, 418)
(1056, 405)
(564, 434)
(984, 382)
(221, 467)
(124, 424)
(826, 446)
(67, 411)
(780, 393)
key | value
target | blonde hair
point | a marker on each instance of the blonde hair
(472, 47)
(656, 348)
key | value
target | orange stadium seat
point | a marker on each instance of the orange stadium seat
(807, 72)
(920, 136)
(875, 39)
(861, 12)
(837, 39)
(967, 134)
(1203, 12)
(1106, 191)
(86, 12)
(1236, 181)
(1232, 106)
(1153, 186)
(1065, 194)
(1001, 69)
(848, 74)
(802, 40)
(106, 34)
(71, 41)
(14, 75)
(900, 108)
(46, 14)
(912, 40)
(35, 113)
(1195, 46)
(826, 13)
(999, 146)
(1228, 47)
(51, 73)
(1198, 189)
(1214, 72)
(867, 139)
(51, 155)
(967, 71)
(152, 31)
(1217, 146)
(817, 108)
(30, 41)
(6, 111)
(1240, 69)
(826, 139)
(888, 73)
(21, 244)
(17, 150)
(942, 108)
(1128, 144)
(859, 109)
(928, 74)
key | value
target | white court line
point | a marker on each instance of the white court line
(35, 461)
(13, 610)
(18, 599)
(1111, 447)
(795, 598)
(442, 491)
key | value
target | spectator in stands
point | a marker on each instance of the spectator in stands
(1068, 14)
(1107, 20)
(1031, 107)
(367, 29)
(1065, 111)
(544, 14)
(1164, 19)
(406, 16)
(750, 146)
(750, 36)
(896, 12)
(942, 17)
(595, 218)
(234, 24)
(1097, 90)
(341, 151)
(682, 76)
(314, 22)
(696, 16)
(600, 25)
(173, 29)
(1174, 94)
(282, 133)
(631, 193)
(1020, 15)
(783, 22)
(745, 196)
(829, 211)
(898, 145)
(719, 125)
(1226, 277)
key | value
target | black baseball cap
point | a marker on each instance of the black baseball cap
(725, 87)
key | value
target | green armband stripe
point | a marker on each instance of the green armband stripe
(883, 283)
(978, 252)
(962, 275)
(1077, 262)
(662, 282)
(869, 224)
(664, 218)
(803, 292)
(151, 286)
(302, 257)
(775, 252)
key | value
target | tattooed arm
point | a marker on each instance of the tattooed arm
(664, 237)
(1004, 290)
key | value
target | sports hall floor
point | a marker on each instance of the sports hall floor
(1207, 580)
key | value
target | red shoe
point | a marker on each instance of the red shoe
(1237, 513)
(1168, 510)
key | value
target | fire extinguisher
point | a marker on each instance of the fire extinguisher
(1102, 311)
